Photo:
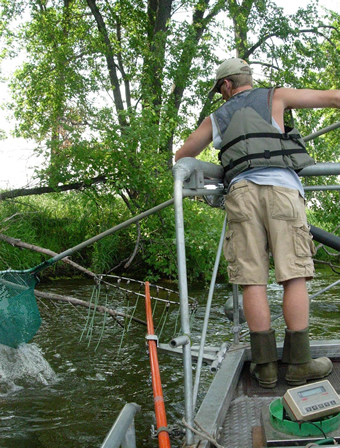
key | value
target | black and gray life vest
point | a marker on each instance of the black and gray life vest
(249, 139)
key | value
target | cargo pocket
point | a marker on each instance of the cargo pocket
(237, 203)
(303, 241)
(228, 246)
(232, 273)
(285, 204)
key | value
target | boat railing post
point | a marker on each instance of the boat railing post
(236, 315)
(321, 169)
(180, 174)
(122, 434)
(179, 341)
(191, 172)
(321, 131)
(207, 312)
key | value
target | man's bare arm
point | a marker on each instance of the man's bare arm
(303, 99)
(197, 141)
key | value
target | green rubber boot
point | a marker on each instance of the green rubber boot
(301, 367)
(264, 358)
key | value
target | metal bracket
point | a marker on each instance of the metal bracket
(196, 180)
(152, 337)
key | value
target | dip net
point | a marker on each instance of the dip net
(19, 313)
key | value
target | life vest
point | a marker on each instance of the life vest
(249, 139)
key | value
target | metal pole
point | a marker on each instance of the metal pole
(122, 431)
(236, 315)
(98, 237)
(184, 307)
(321, 187)
(324, 290)
(321, 169)
(207, 312)
(322, 131)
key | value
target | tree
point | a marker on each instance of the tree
(108, 89)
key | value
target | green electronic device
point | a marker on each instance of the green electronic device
(311, 401)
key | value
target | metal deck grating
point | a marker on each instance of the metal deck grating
(246, 407)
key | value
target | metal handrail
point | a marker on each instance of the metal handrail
(207, 313)
(190, 179)
(122, 434)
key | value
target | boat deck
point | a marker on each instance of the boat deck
(241, 412)
(243, 424)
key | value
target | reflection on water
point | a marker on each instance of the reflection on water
(59, 391)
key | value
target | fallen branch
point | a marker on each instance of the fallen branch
(22, 245)
(136, 246)
(83, 303)
(334, 268)
(43, 190)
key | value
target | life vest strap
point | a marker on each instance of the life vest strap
(266, 154)
(284, 136)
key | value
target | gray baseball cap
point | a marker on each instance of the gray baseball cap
(234, 66)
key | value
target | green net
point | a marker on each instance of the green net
(19, 313)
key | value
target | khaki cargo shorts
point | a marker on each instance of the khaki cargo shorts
(264, 220)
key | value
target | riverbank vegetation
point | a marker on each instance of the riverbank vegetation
(109, 90)
(61, 221)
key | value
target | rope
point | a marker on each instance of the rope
(176, 322)
(203, 434)
(132, 302)
(124, 329)
(123, 334)
(90, 332)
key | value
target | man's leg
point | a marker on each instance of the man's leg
(262, 337)
(296, 304)
(256, 308)
(296, 350)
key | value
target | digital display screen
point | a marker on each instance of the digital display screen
(313, 391)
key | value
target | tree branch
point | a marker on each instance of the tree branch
(294, 33)
(127, 264)
(109, 55)
(42, 190)
(78, 302)
(22, 245)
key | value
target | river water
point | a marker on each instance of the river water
(60, 391)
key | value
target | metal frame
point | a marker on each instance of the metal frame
(122, 434)
(196, 178)
(191, 178)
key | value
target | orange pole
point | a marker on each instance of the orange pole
(163, 435)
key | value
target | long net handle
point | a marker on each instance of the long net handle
(162, 426)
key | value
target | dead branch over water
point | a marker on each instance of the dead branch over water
(78, 302)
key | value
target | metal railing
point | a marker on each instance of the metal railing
(196, 178)
(191, 178)
(122, 434)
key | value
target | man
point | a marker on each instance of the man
(265, 209)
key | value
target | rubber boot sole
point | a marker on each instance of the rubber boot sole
(270, 381)
(300, 381)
